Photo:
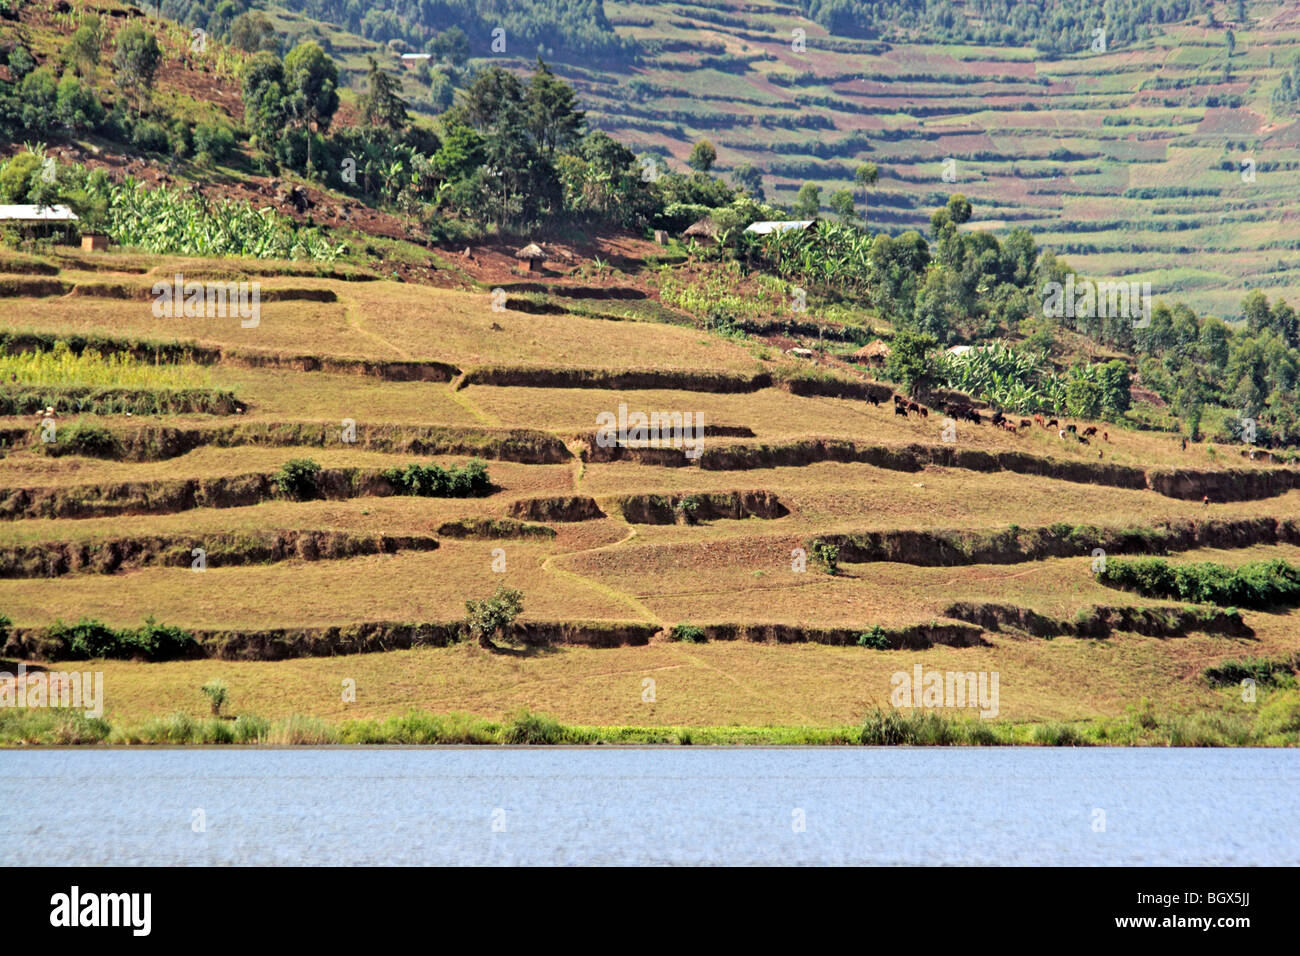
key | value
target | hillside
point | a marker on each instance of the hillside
(404, 428)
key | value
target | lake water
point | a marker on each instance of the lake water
(379, 805)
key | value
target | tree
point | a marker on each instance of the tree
(896, 265)
(866, 176)
(82, 49)
(381, 105)
(78, 108)
(841, 203)
(553, 118)
(747, 176)
(911, 361)
(450, 46)
(253, 32)
(136, 58)
(516, 181)
(441, 91)
(489, 617)
(959, 208)
(808, 201)
(1115, 379)
(702, 157)
(311, 90)
(264, 99)
(17, 175)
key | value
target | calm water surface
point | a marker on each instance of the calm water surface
(650, 806)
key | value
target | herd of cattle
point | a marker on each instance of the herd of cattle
(966, 413)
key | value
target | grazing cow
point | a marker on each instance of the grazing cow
(874, 400)
(1008, 425)
(898, 400)
(1105, 436)
(913, 407)
(1071, 429)
(998, 418)
(974, 417)
(900, 410)
(1038, 420)
(1052, 423)
(925, 412)
(1082, 440)
(1025, 423)
(1090, 430)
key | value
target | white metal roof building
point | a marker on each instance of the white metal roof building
(37, 214)
(763, 228)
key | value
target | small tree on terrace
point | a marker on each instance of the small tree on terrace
(703, 156)
(910, 362)
(491, 616)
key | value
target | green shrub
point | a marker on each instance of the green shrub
(86, 639)
(686, 509)
(827, 555)
(433, 481)
(688, 634)
(298, 479)
(1261, 584)
(158, 642)
(1264, 671)
(491, 616)
(93, 639)
(85, 438)
(216, 693)
(874, 638)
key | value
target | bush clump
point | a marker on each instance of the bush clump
(432, 481)
(688, 634)
(85, 438)
(874, 638)
(298, 478)
(89, 639)
(1261, 584)
(827, 555)
(1264, 671)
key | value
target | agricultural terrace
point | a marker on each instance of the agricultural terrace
(304, 497)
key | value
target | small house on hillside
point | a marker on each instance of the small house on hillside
(781, 225)
(533, 254)
(34, 221)
(874, 353)
(706, 228)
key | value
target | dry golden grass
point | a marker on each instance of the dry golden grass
(717, 684)
(716, 572)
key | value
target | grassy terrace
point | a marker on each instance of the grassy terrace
(612, 569)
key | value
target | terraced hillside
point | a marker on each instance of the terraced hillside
(1129, 161)
(971, 554)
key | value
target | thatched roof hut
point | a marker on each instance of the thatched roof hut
(873, 353)
(706, 228)
(533, 254)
